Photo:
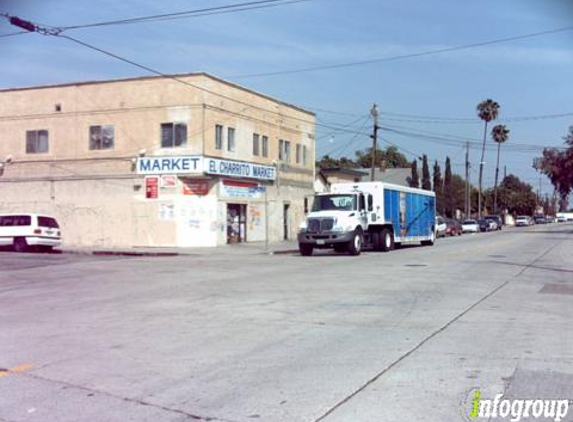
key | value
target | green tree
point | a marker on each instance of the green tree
(330, 162)
(487, 111)
(438, 185)
(426, 182)
(515, 196)
(499, 133)
(414, 180)
(448, 193)
(390, 156)
(557, 165)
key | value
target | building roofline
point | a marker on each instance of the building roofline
(344, 170)
(166, 76)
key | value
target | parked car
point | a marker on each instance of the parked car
(522, 220)
(441, 227)
(470, 226)
(540, 219)
(493, 226)
(26, 231)
(561, 219)
(498, 220)
(483, 225)
(453, 227)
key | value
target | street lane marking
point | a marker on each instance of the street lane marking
(25, 367)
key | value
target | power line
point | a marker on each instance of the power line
(405, 56)
(229, 8)
(11, 34)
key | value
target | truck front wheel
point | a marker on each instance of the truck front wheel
(355, 245)
(305, 249)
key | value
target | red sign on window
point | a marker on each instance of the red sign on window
(195, 187)
(151, 187)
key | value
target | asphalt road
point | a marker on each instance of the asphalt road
(398, 336)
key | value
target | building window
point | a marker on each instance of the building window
(286, 152)
(304, 155)
(230, 139)
(298, 153)
(101, 137)
(173, 135)
(265, 146)
(281, 149)
(36, 141)
(218, 137)
(256, 144)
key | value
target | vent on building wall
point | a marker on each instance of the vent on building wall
(58, 107)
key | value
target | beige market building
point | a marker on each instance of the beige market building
(185, 160)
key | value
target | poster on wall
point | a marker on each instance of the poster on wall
(195, 186)
(166, 212)
(152, 187)
(168, 181)
(238, 189)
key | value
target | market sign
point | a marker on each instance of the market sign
(238, 169)
(190, 164)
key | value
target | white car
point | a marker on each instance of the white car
(22, 231)
(522, 220)
(470, 226)
(441, 227)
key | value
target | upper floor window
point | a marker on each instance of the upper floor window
(102, 137)
(230, 139)
(37, 141)
(304, 155)
(265, 146)
(173, 135)
(256, 144)
(284, 150)
(218, 137)
(298, 153)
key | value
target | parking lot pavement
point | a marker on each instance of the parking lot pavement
(380, 337)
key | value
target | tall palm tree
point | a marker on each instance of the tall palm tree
(499, 134)
(487, 111)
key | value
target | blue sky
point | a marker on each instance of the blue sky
(530, 77)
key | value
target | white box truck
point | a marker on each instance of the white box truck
(369, 214)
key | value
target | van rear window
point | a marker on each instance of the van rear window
(48, 222)
(15, 220)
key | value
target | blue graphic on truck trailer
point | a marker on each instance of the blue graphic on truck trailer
(412, 215)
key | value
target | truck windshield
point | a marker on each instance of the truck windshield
(334, 202)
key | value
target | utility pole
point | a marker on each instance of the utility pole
(504, 172)
(374, 136)
(467, 192)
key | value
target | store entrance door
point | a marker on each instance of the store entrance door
(236, 223)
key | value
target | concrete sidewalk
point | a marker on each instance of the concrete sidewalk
(288, 246)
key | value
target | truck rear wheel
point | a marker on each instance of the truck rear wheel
(305, 249)
(386, 240)
(431, 241)
(355, 245)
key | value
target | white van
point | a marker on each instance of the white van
(23, 231)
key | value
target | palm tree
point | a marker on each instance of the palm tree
(499, 134)
(487, 111)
